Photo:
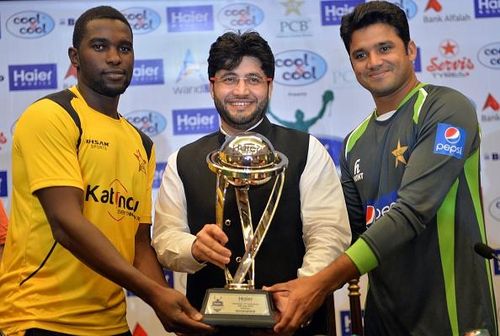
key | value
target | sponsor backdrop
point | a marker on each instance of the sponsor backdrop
(169, 99)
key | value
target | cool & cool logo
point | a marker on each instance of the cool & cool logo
(142, 20)
(30, 24)
(489, 55)
(299, 67)
(241, 16)
(150, 122)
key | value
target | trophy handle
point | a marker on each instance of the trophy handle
(245, 212)
(252, 247)
(220, 198)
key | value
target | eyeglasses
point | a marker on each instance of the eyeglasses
(233, 80)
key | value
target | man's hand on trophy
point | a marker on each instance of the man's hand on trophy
(296, 300)
(209, 246)
(177, 315)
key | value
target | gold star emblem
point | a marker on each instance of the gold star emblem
(398, 154)
(292, 6)
(142, 162)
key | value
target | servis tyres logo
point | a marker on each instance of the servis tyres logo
(30, 24)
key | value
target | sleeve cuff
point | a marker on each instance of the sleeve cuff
(191, 265)
(362, 256)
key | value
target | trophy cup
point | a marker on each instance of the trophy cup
(245, 160)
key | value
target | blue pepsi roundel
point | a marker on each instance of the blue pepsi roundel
(450, 140)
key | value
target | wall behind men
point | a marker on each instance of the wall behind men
(458, 46)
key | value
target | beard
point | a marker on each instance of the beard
(101, 87)
(96, 82)
(242, 122)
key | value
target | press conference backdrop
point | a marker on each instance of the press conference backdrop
(458, 46)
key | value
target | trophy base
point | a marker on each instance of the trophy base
(238, 308)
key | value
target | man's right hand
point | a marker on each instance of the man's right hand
(209, 246)
(177, 315)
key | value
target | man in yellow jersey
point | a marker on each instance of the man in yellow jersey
(3, 227)
(81, 205)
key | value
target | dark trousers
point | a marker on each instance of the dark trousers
(42, 332)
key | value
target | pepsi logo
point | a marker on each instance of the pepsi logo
(370, 214)
(452, 135)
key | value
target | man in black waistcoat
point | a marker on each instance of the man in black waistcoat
(310, 226)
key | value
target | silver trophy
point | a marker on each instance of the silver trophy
(245, 160)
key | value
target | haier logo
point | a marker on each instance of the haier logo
(191, 18)
(160, 168)
(241, 16)
(376, 209)
(487, 8)
(117, 195)
(489, 55)
(195, 121)
(142, 20)
(450, 140)
(30, 24)
(148, 72)
(299, 67)
(32, 77)
(150, 122)
(3, 184)
(333, 10)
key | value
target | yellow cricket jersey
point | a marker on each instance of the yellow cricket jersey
(42, 284)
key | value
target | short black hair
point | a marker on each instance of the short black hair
(371, 13)
(100, 12)
(230, 48)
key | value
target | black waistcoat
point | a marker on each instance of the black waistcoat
(282, 250)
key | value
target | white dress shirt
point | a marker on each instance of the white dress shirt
(326, 231)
